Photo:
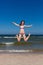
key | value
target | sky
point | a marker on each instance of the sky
(16, 10)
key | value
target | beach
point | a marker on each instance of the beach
(21, 59)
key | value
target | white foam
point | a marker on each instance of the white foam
(11, 51)
(11, 37)
(7, 43)
(20, 50)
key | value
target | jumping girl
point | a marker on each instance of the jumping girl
(22, 32)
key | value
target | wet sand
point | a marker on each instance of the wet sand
(21, 59)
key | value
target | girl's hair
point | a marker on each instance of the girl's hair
(21, 22)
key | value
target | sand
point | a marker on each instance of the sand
(21, 59)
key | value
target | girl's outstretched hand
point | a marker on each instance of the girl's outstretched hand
(28, 25)
(31, 25)
(15, 24)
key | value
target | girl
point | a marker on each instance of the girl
(22, 32)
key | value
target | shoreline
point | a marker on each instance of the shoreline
(21, 59)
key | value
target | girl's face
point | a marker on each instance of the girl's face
(22, 22)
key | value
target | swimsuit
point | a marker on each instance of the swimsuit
(22, 34)
(21, 27)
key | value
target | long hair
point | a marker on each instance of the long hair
(21, 22)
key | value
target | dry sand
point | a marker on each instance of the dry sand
(21, 59)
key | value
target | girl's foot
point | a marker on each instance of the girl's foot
(29, 34)
(16, 35)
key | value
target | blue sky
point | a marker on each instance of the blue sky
(15, 10)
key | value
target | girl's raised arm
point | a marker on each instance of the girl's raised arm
(28, 26)
(15, 24)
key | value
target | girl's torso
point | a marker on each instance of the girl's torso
(22, 29)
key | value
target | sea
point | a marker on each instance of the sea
(9, 42)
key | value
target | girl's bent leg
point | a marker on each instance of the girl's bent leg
(26, 38)
(18, 37)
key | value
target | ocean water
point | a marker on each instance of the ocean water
(35, 42)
